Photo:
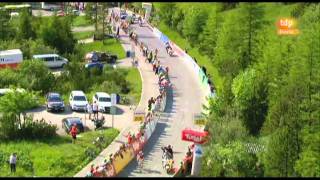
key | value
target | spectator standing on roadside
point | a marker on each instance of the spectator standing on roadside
(95, 110)
(118, 31)
(156, 54)
(89, 110)
(73, 133)
(13, 162)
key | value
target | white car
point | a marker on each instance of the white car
(52, 60)
(103, 100)
(78, 101)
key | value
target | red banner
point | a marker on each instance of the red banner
(199, 137)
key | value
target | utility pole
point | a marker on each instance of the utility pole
(96, 16)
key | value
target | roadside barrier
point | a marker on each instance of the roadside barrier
(122, 158)
(128, 151)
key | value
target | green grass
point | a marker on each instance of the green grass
(111, 45)
(81, 21)
(193, 52)
(83, 35)
(54, 157)
(134, 78)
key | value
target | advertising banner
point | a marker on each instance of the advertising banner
(157, 33)
(121, 162)
(198, 137)
(147, 132)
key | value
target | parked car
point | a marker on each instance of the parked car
(54, 102)
(68, 122)
(52, 60)
(103, 100)
(95, 56)
(94, 65)
(78, 101)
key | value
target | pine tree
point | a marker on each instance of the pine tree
(209, 36)
(26, 30)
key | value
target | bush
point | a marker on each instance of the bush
(34, 75)
(37, 129)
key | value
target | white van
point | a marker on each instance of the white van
(10, 58)
(78, 101)
(52, 60)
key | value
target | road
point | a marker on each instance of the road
(184, 100)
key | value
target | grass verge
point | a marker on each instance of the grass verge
(81, 21)
(133, 77)
(109, 45)
(83, 35)
(53, 157)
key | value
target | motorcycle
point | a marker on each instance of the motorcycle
(98, 123)
(167, 161)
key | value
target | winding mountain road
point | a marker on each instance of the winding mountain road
(184, 100)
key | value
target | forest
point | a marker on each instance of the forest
(264, 121)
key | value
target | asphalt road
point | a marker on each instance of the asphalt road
(184, 100)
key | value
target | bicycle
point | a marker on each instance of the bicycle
(140, 163)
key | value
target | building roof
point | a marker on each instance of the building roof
(10, 52)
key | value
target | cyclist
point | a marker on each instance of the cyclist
(140, 158)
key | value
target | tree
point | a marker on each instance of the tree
(12, 107)
(250, 95)
(209, 36)
(230, 160)
(193, 23)
(58, 35)
(250, 21)
(25, 26)
(6, 30)
(34, 75)
(166, 11)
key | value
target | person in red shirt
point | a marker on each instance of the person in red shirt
(73, 133)
(129, 139)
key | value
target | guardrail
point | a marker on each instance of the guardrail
(128, 151)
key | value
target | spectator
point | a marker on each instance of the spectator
(96, 172)
(95, 109)
(195, 60)
(13, 162)
(92, 168)
(157, 69)
(118, 32)
(89, 110)
(129, 138)
(73, 133)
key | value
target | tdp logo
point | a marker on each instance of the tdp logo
(286, 26)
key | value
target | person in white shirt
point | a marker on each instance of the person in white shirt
(95, 109)
(13, 162)
(89, 110)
